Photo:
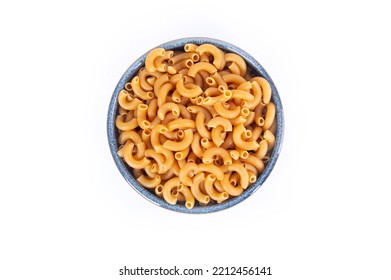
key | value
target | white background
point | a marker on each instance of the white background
(67, 213)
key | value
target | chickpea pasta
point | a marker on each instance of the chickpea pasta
(195, 126)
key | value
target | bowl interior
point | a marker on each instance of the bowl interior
(256, 70)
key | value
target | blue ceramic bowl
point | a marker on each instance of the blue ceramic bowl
(126, 171)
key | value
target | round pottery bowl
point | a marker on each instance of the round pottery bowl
(126, 171)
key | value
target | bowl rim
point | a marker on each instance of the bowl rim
(112, 139)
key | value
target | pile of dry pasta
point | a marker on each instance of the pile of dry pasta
(195, 125)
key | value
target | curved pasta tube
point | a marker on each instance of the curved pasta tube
(241, 94)
(173, 69)
(183, 56)
(127, 102)
(189, 198)
(253, 160)
(152, 109)
(201, 66)
(195, 109)
(219, 80)
(139, 92)
(269, 117)
(180, 145)
(266, 89)
(217, 137)
(270, 138)
(211, 168)
(180, 124)
(225, 96)
(234, 68)
(125, 126)
(237, 167)
(130, 135)
(196, 147)
(218, 54)
(217, 151)
(229, 188)
(219, 121)
(144, 75)
(190, 47)
(149, 183)
(233, 78)
(187, 172)
(141, 116)
(159, 62)
(210, 190)
(256, 89)
(226, 113)
(163, 94)
(175, 78)
(156, 131)
(250, 119)
(262, 150)
(246, 86)
(151, 170)
(130, 160)
(196, 191)
(167, 107)
(238, 60)
(159, 158)
(228, 142)
(239, 142)
(184, 112)
(186, 92)
(167, 190)
(169, 157)
(162, 80)
(151, 57)
(200, 126)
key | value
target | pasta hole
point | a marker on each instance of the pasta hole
(233, 182)
(253, 179)
(180, 133)
(221, 89)
(128, 86)
(225, 195)
(178, 156)
(195, 57)
(260, 121)
(189, 205)
(159, 189)
(207, 100)
(228, 162)
(136, 79)
(143, 106)
(189, 63)
(248, 134)
(231, 87)
(210, 81)
(146, 124)
(171, 61)
(175, 112)
(212, 176)
(147, 132)
(227, 93)
(244, 154)
(245, 112)
(150, 95)
(199, 100)
(207, 199)
(187, 48)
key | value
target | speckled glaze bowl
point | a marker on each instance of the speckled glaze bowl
(125, 170)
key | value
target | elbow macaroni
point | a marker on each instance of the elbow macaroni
(195, 126)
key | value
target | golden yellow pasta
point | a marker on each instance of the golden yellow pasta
(195, 126)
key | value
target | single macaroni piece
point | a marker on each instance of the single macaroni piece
(195, 126)
(151, 57)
